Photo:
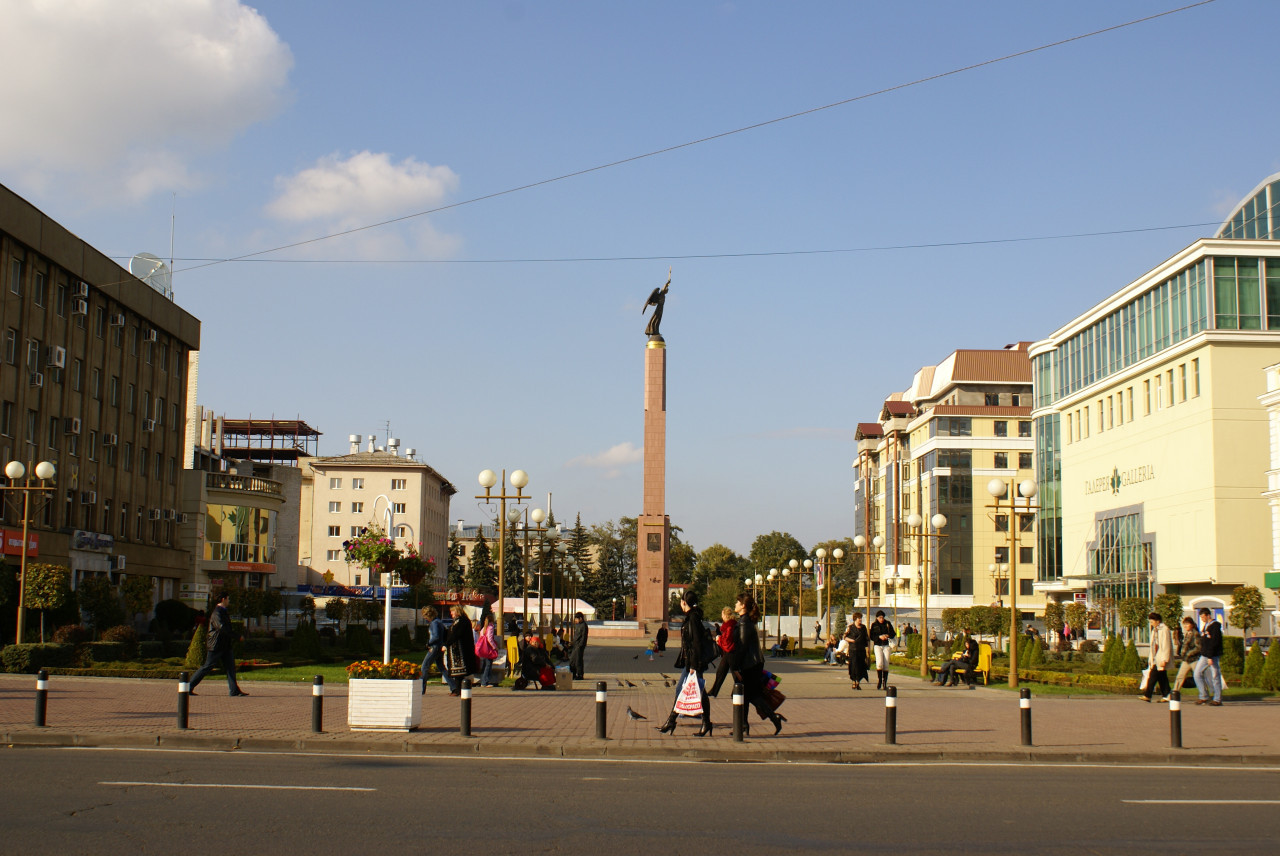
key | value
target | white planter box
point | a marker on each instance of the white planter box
(384, 704)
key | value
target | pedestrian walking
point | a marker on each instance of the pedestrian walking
(817, 633)
(748, 663)
(1188, 651)
(858, 636)
(1160, 658)
(724, 642)
(1207, 673)
(487, 650)
(461, 647)
(882, 636)
(435, 647)
(660, 640)
(578, 645)
(217, 644)
(696, 651)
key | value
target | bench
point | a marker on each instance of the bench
(782, 649)
(983, 668)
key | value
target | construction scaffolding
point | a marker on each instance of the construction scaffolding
(276, 441)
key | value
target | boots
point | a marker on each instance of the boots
(706, 718)
(669, 726)
(777, 719)
(882, 679)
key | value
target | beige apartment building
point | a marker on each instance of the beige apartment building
(934, 449)
(93, 378)
(1153, 440)
(342, 494)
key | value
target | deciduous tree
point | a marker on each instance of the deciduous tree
(1246, 608)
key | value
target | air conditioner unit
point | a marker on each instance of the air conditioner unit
(71, 425)
(37, 379)
(80, 306)
(149, 336)
(117, 320)
(89, 497)
(148, 424)
(170, 514)
(57, 357)
(115, 563)
(82, 289)
(153, 514)
(110, 439)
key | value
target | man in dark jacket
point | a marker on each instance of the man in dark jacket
(435, 647)
(968, 661)
(578, 646)
(1208, 675)
(218, 647)
(661, 640)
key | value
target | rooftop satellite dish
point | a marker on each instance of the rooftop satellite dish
(154, 272)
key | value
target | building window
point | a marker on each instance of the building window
(333, 556)
(992, 399)
(54, 425)
(142, 462)
(397, 508)
(33, 430)
(100, 321)
(1026, 588)
(146, 403)
(33, 355)
(335, 531)
(335, 506)
(95, 384)
(398, 484)
(355, 531)
(1024, 460)
(60, 299)
(1086, 421)
(402, 532)
(40, 291)
(357, 508)
(1146, 395)
(1002, 460)
(15, 276)
(109, 455)
(357, 484)
(1195, 378)
(93, 445)
(124, 520)
(129, 397)
(335, 484)
(126, 462)
(117, 336)
(164, 357)
(113, 390)
(73, 445)
(1024, 428)
(1002, 555)
(1129, 393)
(1002, 523)
(1159, 393)
(1002, 428)
(160, 411)
(11, 346)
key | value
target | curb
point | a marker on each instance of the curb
(612, 750)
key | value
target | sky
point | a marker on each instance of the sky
(570, 153)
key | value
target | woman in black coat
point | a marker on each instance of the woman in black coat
(859, 640)
(747, 661)
(696, 652)
(460, 641)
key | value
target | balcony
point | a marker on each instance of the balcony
(244, 484)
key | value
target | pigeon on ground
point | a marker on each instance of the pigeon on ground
(666, 683)
(630, 684)
(631, 714)
(646, 683)
(619, 682)
(636, 657)
(665, 675)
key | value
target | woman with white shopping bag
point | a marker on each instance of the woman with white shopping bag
(696, 652)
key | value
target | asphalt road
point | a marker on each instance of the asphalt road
(143, 802)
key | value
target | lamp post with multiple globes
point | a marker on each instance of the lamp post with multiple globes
(916, 522)
(998, 489)
(837, 554)
(16, 472)
(487, 478)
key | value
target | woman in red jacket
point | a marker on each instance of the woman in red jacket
(724, 643)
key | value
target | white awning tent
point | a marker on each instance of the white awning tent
(515, 605)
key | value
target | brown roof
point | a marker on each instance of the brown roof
(867, 430)
(992, 367)
(899, 408)
(978, 410)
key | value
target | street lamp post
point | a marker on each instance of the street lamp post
(999, 573)
(16, 472)
(916, 522)
(1027, 490)
(519, 478)
(837, 554)
(762, 596)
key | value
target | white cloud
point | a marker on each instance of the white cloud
(132, 91)
(611, 460)
(365, 188)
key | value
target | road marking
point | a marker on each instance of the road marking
(1202, 802)
(212, 785)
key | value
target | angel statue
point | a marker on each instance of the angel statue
(656, 300)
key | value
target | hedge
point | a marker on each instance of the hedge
(104, 652)
(31, 658)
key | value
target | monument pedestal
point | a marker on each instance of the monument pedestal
(653, 530)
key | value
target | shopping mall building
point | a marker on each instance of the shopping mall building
(1150, 410)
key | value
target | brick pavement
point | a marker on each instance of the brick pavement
(826, 720)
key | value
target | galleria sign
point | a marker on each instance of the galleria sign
(1119, 479)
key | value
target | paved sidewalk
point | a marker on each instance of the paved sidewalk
(826, 720)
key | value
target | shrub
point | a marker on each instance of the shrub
(1232, 661)
(402, 638)
(151, 650)
(913, 645)
(103, 652)
(126, 636)
(1270, 677)
(195, 651)
(358, 639)
(1253, 667)
(305, 642)
(73, 634)
(1131, 662)
(1088, 646)
(1035, 654)
(29, 659)
(175, 616)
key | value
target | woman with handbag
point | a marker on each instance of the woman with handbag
(460, 643)
(697, 650)
(748, 663)
(487, 651)
(859, 639)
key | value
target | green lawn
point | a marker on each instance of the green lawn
(334, 673)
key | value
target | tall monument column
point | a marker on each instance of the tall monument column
(654, 526)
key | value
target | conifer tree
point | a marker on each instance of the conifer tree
(480, 574)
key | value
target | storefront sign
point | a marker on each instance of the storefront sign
(251, 567)
(13, 542)
(1118, 479)
(93, 542)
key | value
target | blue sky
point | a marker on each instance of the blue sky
(289, 120)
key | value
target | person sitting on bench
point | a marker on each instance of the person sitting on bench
(968, 660)
(781, 647)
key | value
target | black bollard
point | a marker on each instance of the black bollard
(317, 704)
(42, 697)
(739, 712)
(1175, 720)
(891, 715)
(184, 697)
(465, 728)
(1024, 703)
(602, 710)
